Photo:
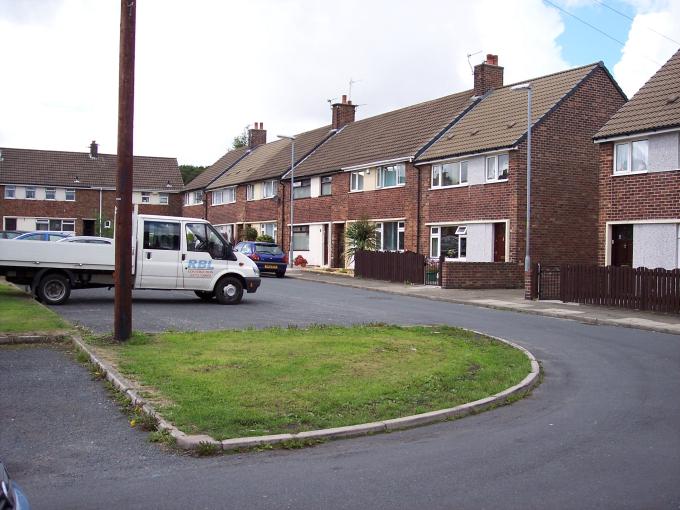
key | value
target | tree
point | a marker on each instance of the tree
(190, 172)
(265, 238)
(361, 235)
(250, 233)
(240, 140)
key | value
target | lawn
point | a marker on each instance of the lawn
(19, 313)
(254, 382)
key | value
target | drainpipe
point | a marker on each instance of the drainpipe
(418, 210)
(99, 227)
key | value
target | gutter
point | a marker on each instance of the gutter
(633, 134)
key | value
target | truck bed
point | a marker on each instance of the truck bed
(95, 257)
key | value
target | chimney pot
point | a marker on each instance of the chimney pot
(344, 99)
(257, 135)
(492, 59)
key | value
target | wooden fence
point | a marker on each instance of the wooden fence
(392, 266)
(656, 290)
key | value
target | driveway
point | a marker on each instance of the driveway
(600, 432)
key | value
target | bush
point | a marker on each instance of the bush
(300, 261)
(250, 234)
(265, 238)
(361, 235)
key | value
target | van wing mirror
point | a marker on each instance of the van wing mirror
(229, 252)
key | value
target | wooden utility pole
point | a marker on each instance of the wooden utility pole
(122, 324)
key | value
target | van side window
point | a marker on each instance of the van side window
(201, 237)
(161, 235)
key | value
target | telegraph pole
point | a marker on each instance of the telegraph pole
(122, 324)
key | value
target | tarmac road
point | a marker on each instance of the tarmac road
(600, 432)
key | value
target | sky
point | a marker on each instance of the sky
(206, 69)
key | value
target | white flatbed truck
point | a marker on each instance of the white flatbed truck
(168, 252)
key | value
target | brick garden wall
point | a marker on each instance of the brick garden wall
(482, 275)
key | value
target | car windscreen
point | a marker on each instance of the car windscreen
(270, 250)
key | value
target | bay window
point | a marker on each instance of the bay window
(449, 174)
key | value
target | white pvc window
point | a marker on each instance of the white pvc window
(268, 229)
(391, 176)
(326, 185)
(631, 157)
(302, 188)
(30, 192)
(449, 240)
(10, 192)
(269, 189)
(250, 192)
(146, 197)
(50, 193)
(450, 174)
(42, 224)
(357, 181)
(390, 236)
(163, 198)
(301, 238)
(497, 167)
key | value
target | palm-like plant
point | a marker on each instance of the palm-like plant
(361, 235)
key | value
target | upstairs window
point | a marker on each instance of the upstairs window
(631, 157)
(302, 188)
(30, 192)
(10, 192)
(146, 197)
(197, 197)
(71, 195)
(390, 176)
(50, 193)
(163, 198)
(357, 181)
(497, 168)
(250, 192)
(269, 189)
(449, 174)
(326, 183)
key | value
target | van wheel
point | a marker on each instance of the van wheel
(229, 291)
(54, 289)
(204, 295)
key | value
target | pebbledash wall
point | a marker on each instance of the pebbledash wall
(649, 201)
(84, 207)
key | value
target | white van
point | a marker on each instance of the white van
(167, 253)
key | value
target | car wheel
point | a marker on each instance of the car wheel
(205, 295)
(54, 289)
(229, 291)
(280, 274)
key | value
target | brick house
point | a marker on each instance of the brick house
(473, 177)
(249, 193)
(75, 191)
(639, 149)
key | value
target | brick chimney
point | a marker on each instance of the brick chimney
(94, 150)
(257, 135)
(488, 75)
(343, 113)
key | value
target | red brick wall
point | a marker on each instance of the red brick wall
(482, 275)
(195, 211)
(86, 206)
(655, 195)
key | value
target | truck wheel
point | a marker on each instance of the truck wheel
(204, 295)
(54, 289)
(229, 291)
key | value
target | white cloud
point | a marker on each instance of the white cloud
(645, 51)
(205, 69)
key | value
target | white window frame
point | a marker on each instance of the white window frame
(195, 197)
(401, 228)
(26, 190)
(436, 234)
(274, 229)
(42, 221)
(297, 185)
(50, 190)
(400, 170)
(163, 198)
(10, 192)
(271, 193)
(495, 158)
(187, 198)
(69, 191)
(250, 192)
(357, 184)
(301, 229)
(72, 223)
(146, 197)
(437, 171)
(326, 179)
(629, 154)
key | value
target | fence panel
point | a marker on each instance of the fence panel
(392, 266)
(655, 290)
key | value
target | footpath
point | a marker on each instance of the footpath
(506, 299)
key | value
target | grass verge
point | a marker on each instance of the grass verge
(255, 382)
(19, 313)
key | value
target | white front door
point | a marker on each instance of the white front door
(160, 255)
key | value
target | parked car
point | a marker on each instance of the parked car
(43, 235)
(86, 239)
(11, 495)
(269, 257)
(10, 234)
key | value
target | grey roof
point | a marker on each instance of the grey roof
(272, 159)
(392, 135)
(59, 168)
(655, 106)
(499, 120)
(215, 170)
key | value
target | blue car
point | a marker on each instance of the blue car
(11, 495)
(268, 256)
(43, 235)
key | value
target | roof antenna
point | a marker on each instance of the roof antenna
(351, 82)
(472, 71)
